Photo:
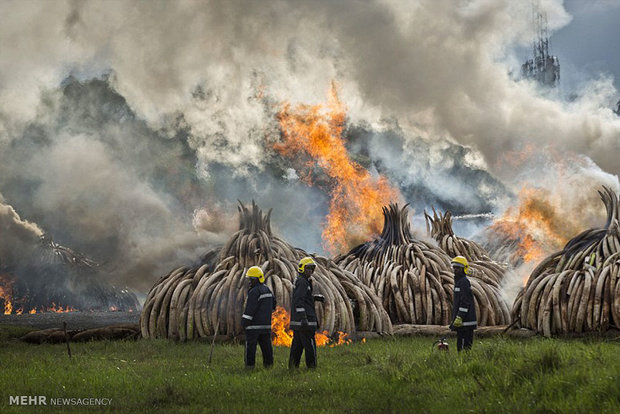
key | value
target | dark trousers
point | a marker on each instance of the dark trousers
(303, 341)
(264, 340)
(464, 338)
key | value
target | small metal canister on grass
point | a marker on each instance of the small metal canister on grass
(442, 345)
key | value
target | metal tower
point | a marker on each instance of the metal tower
(543, 67)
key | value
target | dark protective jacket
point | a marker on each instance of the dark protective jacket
(303, 305)
(463, 303)
(258, 308)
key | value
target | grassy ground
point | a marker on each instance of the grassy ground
(387, 375)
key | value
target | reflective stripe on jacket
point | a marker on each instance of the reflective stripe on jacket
(302, 305)
(464, 303)
(258, 308)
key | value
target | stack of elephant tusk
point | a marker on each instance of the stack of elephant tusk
(189, 302)
(440, 228)
(576, 289)
(414, 277)
(481, 266)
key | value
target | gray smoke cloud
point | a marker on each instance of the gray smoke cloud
(434, 63)
(99, 180)
(132, 169)
(22, 234)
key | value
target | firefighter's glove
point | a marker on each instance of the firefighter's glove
(304, 322)
(458, 322)
(319, 298)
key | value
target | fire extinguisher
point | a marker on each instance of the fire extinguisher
(442, 345)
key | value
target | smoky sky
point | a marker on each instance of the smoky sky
(588, 45)
(129, 129)
(438, 64)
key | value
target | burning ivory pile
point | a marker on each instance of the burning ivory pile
(414, 277)
(576, 289)
(197, 302)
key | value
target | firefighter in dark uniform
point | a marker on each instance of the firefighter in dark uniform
(303, 316)
(463, 309)
(256, 318)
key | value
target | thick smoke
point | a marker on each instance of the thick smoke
(129, 130)
(38, 274)
(97, 179)
(22, 234)
(100, 180)
(436, 173)
(428, 62)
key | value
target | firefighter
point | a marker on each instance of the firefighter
(256, 318)
(303, 316)
(463, 309)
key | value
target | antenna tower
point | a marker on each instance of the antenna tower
(542, 67)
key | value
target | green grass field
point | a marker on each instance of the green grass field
(382, 375)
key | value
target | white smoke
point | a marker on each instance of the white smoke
(433, 62)
(17, 236)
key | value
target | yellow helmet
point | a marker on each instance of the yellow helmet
(305, 262)
(460, 261)
(256, 272)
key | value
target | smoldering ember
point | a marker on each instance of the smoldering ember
(152, 154)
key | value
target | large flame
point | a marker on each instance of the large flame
(315, 133)
(282, 336)
(537, 223)
(563, 204)
(280, 320)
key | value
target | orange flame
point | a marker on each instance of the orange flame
(343, 339)
(315, 131)
(6, 294)
(10, 303)
(60, 309)
(321, 338)
(282, 336)
(8, 307)
(536, 223)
